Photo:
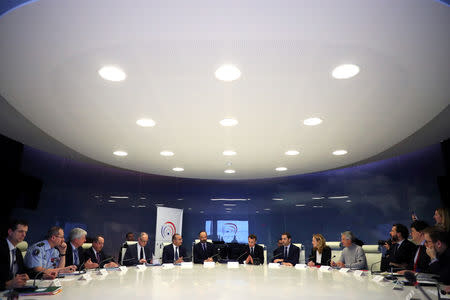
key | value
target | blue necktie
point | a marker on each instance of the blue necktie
(285, 252)
(176, 253)
(76, 260)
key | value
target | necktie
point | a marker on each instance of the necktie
(204, 247)
(417, 259)
(176, 253)
(98, 257)
(13, 262)
(76, 260)
(395, 248)
(285, 252)
(252, 251)
(142, 253)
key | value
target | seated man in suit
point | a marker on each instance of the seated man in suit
(437, 242)
(203, 251)
(175, 252)
(290, 253)
(138, 253)
(276, 252)
(403, 250)
(12, 269)
(96, 255)
(352, 256)
(420, 262)
(255, 252)
(75, 252)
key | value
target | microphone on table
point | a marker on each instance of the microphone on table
(371, 266)
(105, 260)
(328, 261)
(412, 279)
(246, 252)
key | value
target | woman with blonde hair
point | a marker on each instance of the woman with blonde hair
(321, 253)
(442, 218)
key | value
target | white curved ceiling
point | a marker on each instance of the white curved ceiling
(51, 52)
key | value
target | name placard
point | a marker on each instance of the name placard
(85, 277)
(102, 272)
(209, 264)
(274, 266)
(344, 270)
(325, 268)
(141, 267)
(358, 273)
(301, 266)
(378, 278)
(233, 265)
(187, 265)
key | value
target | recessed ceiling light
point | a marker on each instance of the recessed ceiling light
(142, 198)
(120, 153)
(227, 73)
(345, 71)
(291, 152)
(229, 204)
(229, 152)
(178, 169)
(348, 201)
(112, 73)
(257, 211)
(340, 152)
(300, 205)
(318, 206)
(230, 199)
(318, 198)
(312, 121)
(281, 169)
(111, 201)
(180, 199)
(228, 122)
(146, 122)
(228, 208)
(201, 211)
(119, 197)
(277, 199)
(166, 153)
(229, 171)
(141, 206)
(338, 197)
(266, 208)
(159, 204)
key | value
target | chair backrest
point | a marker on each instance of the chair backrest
(336, 249)
(22, 246)
(196, 241)
(373, 257)
(301, 258)
(265, 253)
(87, 245)
(123, 250)
(166, 243)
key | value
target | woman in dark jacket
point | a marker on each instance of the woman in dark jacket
(321, 253)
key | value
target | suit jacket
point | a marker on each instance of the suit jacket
(168, 256)
(326, 256)
(403, 254)
(293, 255)
(423, 261)
(258, 253)
(89, 254)
(441, 267)
(5, 261)
(131, 256)
(69, 256)
(200, 255)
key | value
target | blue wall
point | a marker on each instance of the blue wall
(381, 193)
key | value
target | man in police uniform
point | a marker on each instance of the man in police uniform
(48, 256)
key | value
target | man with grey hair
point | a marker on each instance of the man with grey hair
(74, 253)
(138, 253)
(352, 256)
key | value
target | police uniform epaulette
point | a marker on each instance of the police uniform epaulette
(40, 244)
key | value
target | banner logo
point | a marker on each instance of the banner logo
(168, 230)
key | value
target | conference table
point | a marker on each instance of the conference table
(221, 282)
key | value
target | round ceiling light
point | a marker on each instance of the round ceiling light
(292, 152)
(228, 122)
(345, 71)
(281, 169)
(230, 171)
(112, 73)
(120, 153)
(312, 121)
(178, 169)
(166, 153)
(227, 73)
(229, 152)
(340, 152)
(146, 122)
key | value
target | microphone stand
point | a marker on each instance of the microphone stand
(412, 279)
(371, 266)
